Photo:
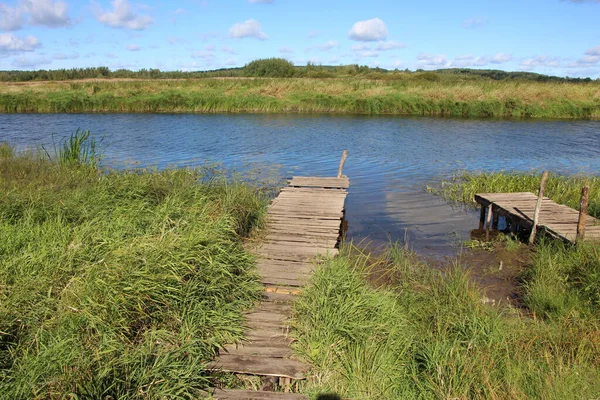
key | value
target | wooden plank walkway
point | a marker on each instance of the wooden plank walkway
(557, 220)
(303, 227)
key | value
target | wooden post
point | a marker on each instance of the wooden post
(488, 222)
(583, 204)
(342, 161)
(538, 205)
(481, 218)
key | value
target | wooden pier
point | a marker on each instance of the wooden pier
(303, 227)
(557, 220)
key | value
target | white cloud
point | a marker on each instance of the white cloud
(361, 47)
(389, 45)
(474, 22)
(468, 61)
(285, 50)
(122, 16)
(36, 12)
(432, 60)
(594, 51)
(62, 56)
(249, 28)
(10, 43)
(228, 49)
(133, 47)
(205, 55)
(47, 12)
(30, 62)
(398, 64)
(180, 11)
(364, 54)
(110, 55)
(11, 18)
(368, 31)
(231, 62)
(261, 1)
(591, 58)
(540, 61)
(501, 58)
(329, 45)
(313, 34)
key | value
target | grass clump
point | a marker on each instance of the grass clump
(119, 284)
(564, 281)
(563, 189)
(392, 327)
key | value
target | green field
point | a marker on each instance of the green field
(395, 93)
(118, 285)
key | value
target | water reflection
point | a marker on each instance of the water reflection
(390, 161)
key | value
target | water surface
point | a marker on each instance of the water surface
(391, 158)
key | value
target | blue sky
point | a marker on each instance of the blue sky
(557, 37)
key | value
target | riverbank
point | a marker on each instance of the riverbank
(392, 326)
(396, 94)
(118, 284)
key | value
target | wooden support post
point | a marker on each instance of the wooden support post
(538, 205)
(488, 222)
(514, 225)
(342, 161)
(481, 217)
(583, 205)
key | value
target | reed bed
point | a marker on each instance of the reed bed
(118, 284)
(393, 327)
(563, 189)
(398, 93)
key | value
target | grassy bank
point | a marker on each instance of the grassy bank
(118, 285)
(560, 188)
(421, 333)
(397, 93)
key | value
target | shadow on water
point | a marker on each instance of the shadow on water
(391, 158)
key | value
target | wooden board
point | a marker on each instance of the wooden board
(303, 228)
(557, 219)
(236, 394)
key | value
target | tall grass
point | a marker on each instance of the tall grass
(421, 333)
(563, 189)
(119, 285)
(399, 93)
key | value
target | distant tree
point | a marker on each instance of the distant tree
(270, 67)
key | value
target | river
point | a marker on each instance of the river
(391, 158)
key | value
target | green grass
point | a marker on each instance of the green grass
(398, 93)
(118, 285)
(563, 189)
(421, 333)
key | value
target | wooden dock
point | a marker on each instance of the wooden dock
(303, 226)
(555, 219)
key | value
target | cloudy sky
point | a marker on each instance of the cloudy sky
(558, 37)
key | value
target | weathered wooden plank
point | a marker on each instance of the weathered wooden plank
(557, 219)
(256, 365)
(236, 394)
(343, 182)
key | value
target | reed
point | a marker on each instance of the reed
(392, 327)
(405, 94)
(118, 284)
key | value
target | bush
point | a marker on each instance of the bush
(270, 67)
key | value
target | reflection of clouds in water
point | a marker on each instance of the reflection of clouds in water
(433, 225)
(390, 158)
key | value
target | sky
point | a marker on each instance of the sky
(554, 37)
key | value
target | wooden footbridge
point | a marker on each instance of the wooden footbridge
(303, 226)
(525, 210)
